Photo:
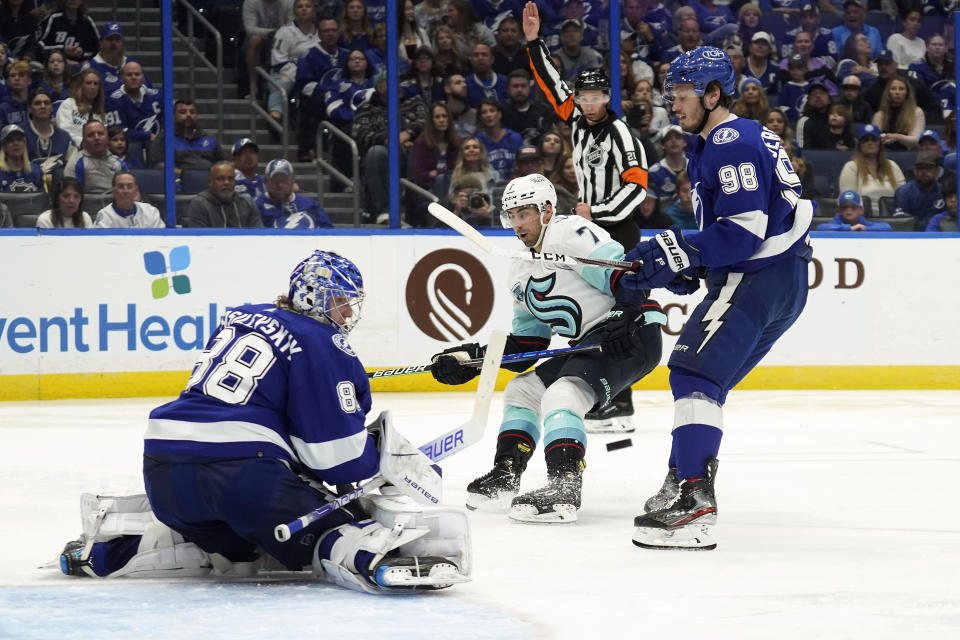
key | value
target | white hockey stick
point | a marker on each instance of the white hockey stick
(437, 449)
(463, 228)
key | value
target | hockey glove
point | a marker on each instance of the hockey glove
(621, 338)
(447, 365)
(666, 254)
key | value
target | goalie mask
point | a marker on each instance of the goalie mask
(531, 190)
(328, 287)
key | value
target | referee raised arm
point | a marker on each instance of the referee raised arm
(610, 164)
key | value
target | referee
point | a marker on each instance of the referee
(610, 164)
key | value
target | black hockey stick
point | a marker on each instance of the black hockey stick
(477, 362)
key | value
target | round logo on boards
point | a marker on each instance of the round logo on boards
(449, 295)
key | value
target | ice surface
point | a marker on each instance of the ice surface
(838, 519)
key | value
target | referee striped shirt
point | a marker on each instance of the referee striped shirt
(610, 164)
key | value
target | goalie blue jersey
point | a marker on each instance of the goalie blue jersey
(272, 383)
(746, 198)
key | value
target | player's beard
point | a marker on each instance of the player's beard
(690, 123)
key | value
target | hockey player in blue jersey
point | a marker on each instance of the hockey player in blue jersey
(752, 250)
(274, 408)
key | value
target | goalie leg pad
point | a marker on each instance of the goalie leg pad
(163, 553)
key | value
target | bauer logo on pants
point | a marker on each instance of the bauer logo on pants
(449, 295)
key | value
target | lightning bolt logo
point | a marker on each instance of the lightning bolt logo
(713, 318)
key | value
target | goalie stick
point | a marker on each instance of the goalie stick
(457, 439)
(459, 225)
(516, 357)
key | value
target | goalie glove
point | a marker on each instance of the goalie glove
(621, 338)
(447, 366)
(663, 257)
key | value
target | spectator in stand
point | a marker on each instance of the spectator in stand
(638, 119)
(291, 42)
(680, 211)
(94, 167)
(47, 145)
(135, 107)
(67, 210)
(777, 122)
(659, 119)
(931, 142)
(899, 117)
(713, 16)
(344, 94)
(870, 172)
(261, 19)
(552, 151)
(13, 108)
(468, 200)
(663, 174)
(813, 125)
(219, 205)
(314, 71)
(447, 48)
(127, 211)
(644, 27)
(355, 29)
(377, 53)
(484, 82)
(487, 11)
(861, 112)
(523, 114)
(633, 68)
(752, 103)
(793, 92)
(760, 63)
(464, 116)
(937, 73)
(86, 102)
(838, 120)
(410, 36)
(886, 71)
(739, 63)
(462, 19)
(119, 146)
(501, 144)
(857, 60)
(424, 77)
(921, 197)
(564, 180)
(17, 173)
(69, 28)
(688, 38)
(472, 161)
(823, 44)
(850, 216)
(56, 77)
(18, 27)
(906, 46)
(281, 208)
(528, 162)
(816, 66)
(649, 216)
(246, 160)
(370, 129)
(572, 53)
(430, 14)
(192, 149)
(854, 17)
(435, 150)
(748, 22)
(509, 54)
(111, 58)
(946, 219)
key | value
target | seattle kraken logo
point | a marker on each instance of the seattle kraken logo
(563, 314)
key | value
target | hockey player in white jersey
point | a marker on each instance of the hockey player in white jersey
(579, 303)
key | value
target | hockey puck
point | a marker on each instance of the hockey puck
(619, 444)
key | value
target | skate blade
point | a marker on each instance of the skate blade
(527, 514)
(691, 537)
(611, 425)
(482, 503)
(440, 576)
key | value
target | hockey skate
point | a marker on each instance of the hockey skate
(667, 494)
(613, 417)
(687, 523)
(423, 572)
(74, 561)
(556, 503)
(494, 490)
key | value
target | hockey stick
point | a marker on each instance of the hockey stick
(459, 225)
(477, 362)
(437, 449)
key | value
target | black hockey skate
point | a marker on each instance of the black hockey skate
(559, 500)
(72, 562)
(614, 417)
(668, 492)
(493, 490)
(687, 523)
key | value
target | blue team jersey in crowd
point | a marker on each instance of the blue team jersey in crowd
(503, 153)
(478, 89)
(662, 180)
(272, 383)
(299, 213)
(139, 120)
(746, 197)
(252, 187)
(14, 112)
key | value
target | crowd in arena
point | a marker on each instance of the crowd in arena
(862, 95)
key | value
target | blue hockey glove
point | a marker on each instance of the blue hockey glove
(621, 339)
(683, 285)
(447, 365)
(663, 256)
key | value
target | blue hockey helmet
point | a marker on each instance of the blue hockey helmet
(699, 67)
(328, 287)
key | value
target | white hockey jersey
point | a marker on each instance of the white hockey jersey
(551, 296)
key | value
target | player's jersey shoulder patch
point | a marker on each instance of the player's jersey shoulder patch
(725, 135)
(340, 342)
